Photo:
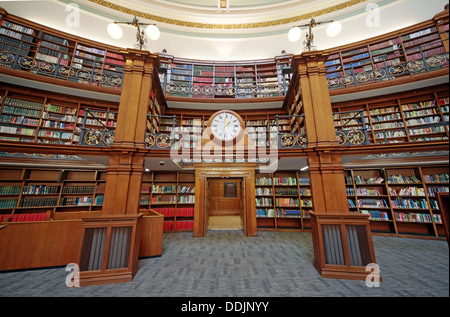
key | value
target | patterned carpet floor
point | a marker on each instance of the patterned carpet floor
(225, 263)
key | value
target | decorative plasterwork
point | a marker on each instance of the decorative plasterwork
(263, 21)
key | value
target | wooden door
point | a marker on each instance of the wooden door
(224, 196)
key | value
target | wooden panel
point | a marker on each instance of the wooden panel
(219, 204)
(39, 244)
(151, 235)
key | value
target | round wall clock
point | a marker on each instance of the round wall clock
(226, 125)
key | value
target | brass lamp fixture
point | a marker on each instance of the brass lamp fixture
(152, 32)
(295, 32)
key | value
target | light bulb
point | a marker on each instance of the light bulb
(294, 34)
(152, 32)
(334, 28)
(115, 31)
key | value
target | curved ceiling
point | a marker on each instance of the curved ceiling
(241, 15)
(246, 30)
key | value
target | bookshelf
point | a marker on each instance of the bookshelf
(212, 79)
(408, 51)
(171, 194)
(406, 117)
(27, 194)
(400, 201)
(283, 200)
(34, 116)
(34, 48)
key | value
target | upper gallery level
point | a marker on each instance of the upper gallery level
(37, 52)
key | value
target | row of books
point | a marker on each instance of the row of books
(371, 180)
(392, 116)
(286, 202)
(42, 216)
(17, 130)
(417, 217)
(38, 202)
(40, 189)
(158, 189)
(263, 191)
(372, 203)
(60, 109)
(428, 130)
(409, 203)
(59, 117)
(433, 190)
(178, 212)
(286, 191)
(79, 189)
(10, 190)
(21, 111)
(400, 179)
(263, 201)
(18, 120)
(288, 213)
(407, 191)
(77, 201)
(422, 121)
(8, 203)
(23, 103)
(285, 181)
(186, 199)
(367, 191)
(16, 35)
(178, 225)
(376, 214)
(11, 45)
(55, 134)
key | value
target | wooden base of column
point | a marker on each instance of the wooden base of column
(109, 249)
(343, 246)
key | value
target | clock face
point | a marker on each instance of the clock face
(225, 126)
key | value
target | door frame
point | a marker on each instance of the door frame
(245, 171)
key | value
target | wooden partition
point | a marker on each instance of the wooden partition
(41, 244)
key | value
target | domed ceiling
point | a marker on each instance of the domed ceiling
(243, 16)
(241, 30)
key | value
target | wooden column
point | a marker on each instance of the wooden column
(126, 162)
(342, 240)
(110, 244)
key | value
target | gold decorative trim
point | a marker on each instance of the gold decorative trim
(155, 18)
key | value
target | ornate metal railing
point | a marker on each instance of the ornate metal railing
(96, 136)
(19, 59)
(225, 91)
(354, 135)
(161, 140)
(291, 140)
(424, 64)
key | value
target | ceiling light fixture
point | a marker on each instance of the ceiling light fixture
(152, 32)
(295, 32)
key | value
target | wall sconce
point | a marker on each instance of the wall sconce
(295, 32)
(152, 32)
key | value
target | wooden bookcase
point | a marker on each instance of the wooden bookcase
(26, 194)
(35, 116)
(212, 79)
(283, 200)
(393, 55)
(422, 115)
(34, 48)
(171, 194)
(400, 201)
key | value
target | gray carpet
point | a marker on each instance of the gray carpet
(274, 264)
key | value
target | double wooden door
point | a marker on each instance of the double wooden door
(224, 196)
